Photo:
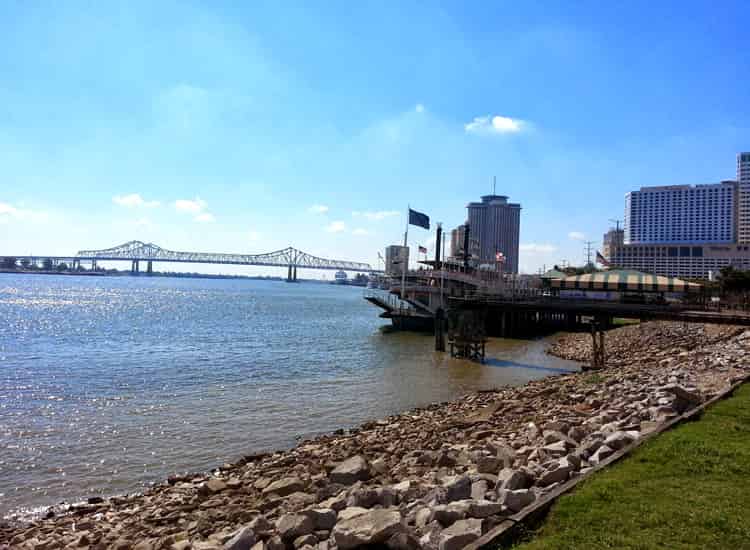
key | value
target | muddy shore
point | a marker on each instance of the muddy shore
(435, 477)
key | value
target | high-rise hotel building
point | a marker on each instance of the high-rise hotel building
(688, 231)
(681, 214)
(743, 199)
(495, 224)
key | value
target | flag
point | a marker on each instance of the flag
(423, 250)
(601, 259)
(419, 219)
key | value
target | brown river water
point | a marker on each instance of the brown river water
(108, 384)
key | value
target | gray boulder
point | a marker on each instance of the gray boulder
(372, 527)
(353, 511)
(558, 472)
(515, 501)
(484, 508)
(292, 526)
(510, 479)
(351, 470)
(323, 518)
(242, 539)
(457, 487)
(285, 486)
(601, 453)
(460, 534)
(447, 514)
(618, 440)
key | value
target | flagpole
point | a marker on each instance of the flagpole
(442, 272)
(405, 263)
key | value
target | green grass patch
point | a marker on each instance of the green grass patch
(686, 488)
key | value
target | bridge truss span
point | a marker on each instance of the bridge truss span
(288, 257)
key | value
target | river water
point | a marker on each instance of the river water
(110, 383)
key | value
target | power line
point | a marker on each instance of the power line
(617, 223)
(588, 251)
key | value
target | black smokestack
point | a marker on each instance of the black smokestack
(437, 246)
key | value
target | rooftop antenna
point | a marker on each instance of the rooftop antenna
(617, 223)
(494, 183)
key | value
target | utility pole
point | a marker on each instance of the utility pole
(588, 252)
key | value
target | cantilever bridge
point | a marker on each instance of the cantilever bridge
(137, 251)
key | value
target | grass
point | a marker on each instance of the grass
(686, 488)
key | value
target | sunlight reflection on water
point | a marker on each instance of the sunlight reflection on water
(107, 384)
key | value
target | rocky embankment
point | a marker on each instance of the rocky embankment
(436, 477)
(637, 343)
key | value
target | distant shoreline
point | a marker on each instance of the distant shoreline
(141, 275)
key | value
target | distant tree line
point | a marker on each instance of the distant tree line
(572, 270)
(732, 280)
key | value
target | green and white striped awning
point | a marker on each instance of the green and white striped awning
(624, 280)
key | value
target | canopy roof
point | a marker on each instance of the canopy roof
(624, 280)
(554, 274)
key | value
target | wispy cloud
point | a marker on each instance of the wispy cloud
(336, 227)
(133, 200)
(419, 108)
(191, 206)
(497, 124)
(576, 236)
(318, 209)
(198, 207)
(205, 217)
(9, 213)
(376, 216)
(360, 231)
(537, 248)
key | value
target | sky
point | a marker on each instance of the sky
(249, 127)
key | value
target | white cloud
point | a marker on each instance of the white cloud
(376, 216)
(205, 217)
(133, 200)
(9, 212)
(537, 248)
(419, 108)
(576, 236)
(190, 206)
(360, 231)
(318, 209)
(336, 227)
(494, 125)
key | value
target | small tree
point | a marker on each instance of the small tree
(62, 266)
(8, 262)
(25, 263)
(47, 264)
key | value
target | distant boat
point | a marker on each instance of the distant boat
(341, 278)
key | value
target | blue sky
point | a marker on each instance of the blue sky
(248, 127)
